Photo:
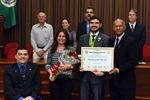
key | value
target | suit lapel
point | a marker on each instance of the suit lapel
(28, 70)
(17, 71)
(84, 27)
(136, 28)
(87, 40)
(99, 40)
(121, 43)
(128, 29)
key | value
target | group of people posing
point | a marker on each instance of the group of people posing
(128, 44)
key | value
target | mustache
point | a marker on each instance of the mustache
(88, 15)
(93, 27)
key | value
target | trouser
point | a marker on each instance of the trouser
(61, 88)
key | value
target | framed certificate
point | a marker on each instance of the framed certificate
(100, 58)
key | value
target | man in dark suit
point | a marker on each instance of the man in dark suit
(137, 31)
(22, 80)
(90, 82)
(122, 80)
(83, 27)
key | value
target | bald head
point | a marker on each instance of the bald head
(119, 27)
(119, 20)
(42, 13)
(41, 18)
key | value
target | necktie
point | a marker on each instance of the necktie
(117, 42)
(87, 29)
(132, 28)
(93, 38)
(23, 72)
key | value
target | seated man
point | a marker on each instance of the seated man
(22, 80)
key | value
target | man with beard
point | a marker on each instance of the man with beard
(92, 82)
(83, 27)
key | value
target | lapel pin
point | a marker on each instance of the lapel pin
(99, 38)
(30, 69)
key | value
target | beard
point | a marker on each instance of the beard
(94, 31)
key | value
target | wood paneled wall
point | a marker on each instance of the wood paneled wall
(108, 10)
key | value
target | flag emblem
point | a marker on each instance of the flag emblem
(8, 3)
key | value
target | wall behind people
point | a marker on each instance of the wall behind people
(55, 10)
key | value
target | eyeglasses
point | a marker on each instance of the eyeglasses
(132, 14)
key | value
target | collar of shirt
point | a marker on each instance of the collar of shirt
(119, 37)
(19, 66)
(94, 34)
(45, 25)
(87, 27)
(132, 24)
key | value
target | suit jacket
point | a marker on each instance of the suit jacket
(125, 59)
(81, 30)
(15, 87)
(102, 41)
(139, 34)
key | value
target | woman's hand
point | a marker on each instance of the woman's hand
(66, 67)
(50, 75)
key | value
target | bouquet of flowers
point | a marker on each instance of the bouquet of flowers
(55, 70)
(69, 57)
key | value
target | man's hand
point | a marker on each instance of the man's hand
(114, 71)
(98, 73)
(40, 53)
(81, 69)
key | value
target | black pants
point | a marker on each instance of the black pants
(122, 93)
(61, 88)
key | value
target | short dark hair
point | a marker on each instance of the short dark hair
(90, 7)
(21, 48)
(95, 17)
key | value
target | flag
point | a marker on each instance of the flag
(8, 10)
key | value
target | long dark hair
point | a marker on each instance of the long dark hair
(55, 44)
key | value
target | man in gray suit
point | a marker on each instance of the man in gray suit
(92, 82)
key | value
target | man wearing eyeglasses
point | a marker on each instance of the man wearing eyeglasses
(136, 31)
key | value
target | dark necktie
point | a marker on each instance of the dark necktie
(23, 72)
(93, 38)
(117, 42)
(132, 28)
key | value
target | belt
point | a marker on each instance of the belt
(41, 47)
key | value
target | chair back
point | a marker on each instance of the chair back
(11, 53)
(30, 49)
(8, 47)
(146, 54)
